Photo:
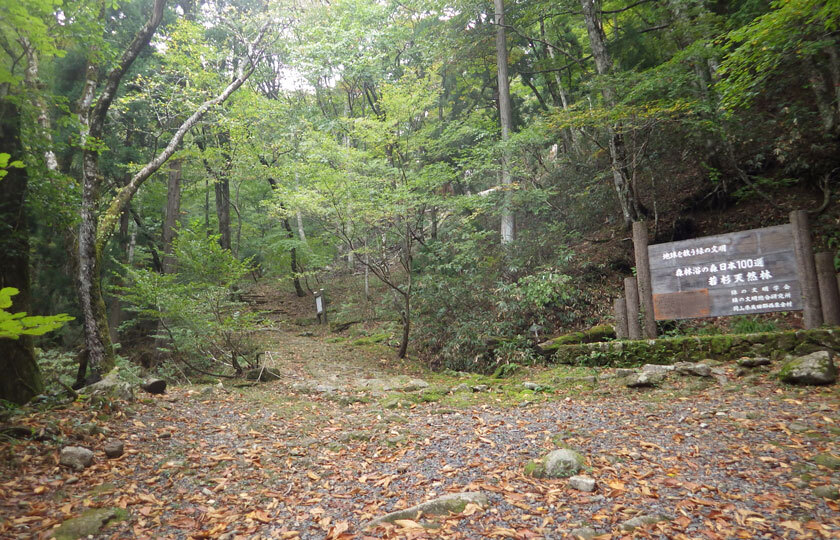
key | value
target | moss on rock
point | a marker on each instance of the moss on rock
(631, 353)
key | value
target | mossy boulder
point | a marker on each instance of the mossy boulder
(829, 461)
(592, 335)
(816, 368)
(89, 523)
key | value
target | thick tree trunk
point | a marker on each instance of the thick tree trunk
(21, 379)
(505, 118)
(406, 322)
(618, 152)
(92, 114)
(173, 211)
(100, 352)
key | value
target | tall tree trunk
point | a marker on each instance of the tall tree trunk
(223, 209)
(301, 232)
(618, 152)
(505, 118)
(21, 379)
(115, 312)
(173, 211)
(293, 255)
(292, 252)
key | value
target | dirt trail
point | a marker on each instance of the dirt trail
(348, 434)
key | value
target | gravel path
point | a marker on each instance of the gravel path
(288, 459)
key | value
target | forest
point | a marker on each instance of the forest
(455, 180)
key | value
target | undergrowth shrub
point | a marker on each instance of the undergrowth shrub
(474, 309)
(201, 324)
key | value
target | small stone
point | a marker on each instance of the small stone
(325, 388)
(816, 368)
(480, 388)
(582, 483)
(720, 375)
(154, 386)
(531, 386)
(414, 385)
(748, 362)
(796, 427)
(624, 372)
(71, 480)
(206, 492)
(645, 379)
(75, 457)
(114, 449)
(827, 492)
(463, 387)
(586, 533)
(738, 415)
(640, 521)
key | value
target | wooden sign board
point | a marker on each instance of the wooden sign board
(319, 305)
(729, 274)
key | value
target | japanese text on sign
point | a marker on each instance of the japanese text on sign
(744, 272)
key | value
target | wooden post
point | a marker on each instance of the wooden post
(621, 331)
(805, 267)
(320, 307)
(829, 294)
(631, 295)
(640, 247)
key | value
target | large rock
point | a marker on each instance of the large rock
(452, 503)
(414, 385)
(561, 463)
(75, 457)
(111, 387)
(114, 448)
(657, 368)
(154, 386)
(813, 369)
(645, 379)
(640, 521)
(694, 369)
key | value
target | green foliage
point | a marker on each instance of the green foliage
(14, 325)
(751, 325)
(6, 164)
(57, 367)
